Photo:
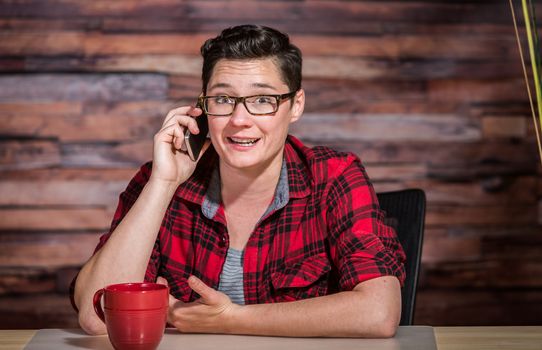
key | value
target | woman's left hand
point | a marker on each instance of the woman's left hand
(211, 313)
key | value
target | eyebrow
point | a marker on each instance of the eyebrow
(219, 85)
(264, 85)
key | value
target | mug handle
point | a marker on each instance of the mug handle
(97, 301)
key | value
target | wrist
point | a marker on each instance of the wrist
(164, 187)
(234, 319)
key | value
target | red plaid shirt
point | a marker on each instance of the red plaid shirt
(328, 235)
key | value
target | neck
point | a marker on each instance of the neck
(249, 185)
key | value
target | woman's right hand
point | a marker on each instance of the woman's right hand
(171, 164)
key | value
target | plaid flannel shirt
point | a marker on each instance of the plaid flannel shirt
(323, 235)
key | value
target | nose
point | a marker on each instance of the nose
(240, 116)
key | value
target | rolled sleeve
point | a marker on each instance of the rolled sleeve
(362, 246)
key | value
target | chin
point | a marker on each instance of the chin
(243, 162)
(256, 158)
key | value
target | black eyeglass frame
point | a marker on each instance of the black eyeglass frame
(242, 99)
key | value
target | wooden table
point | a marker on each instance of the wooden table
(448, 338)
(486, 338)
(15, 339)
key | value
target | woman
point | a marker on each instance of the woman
(261, 235)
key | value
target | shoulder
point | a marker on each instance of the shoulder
(324, 164)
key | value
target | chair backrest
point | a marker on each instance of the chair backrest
(405, 211)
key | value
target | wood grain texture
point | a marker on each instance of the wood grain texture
(475, 307)
(80, 87)
(59, 192)
(352, 128)
(46, 250)
(96, 127)
(463, 338)
(429, 94)
(28, 154)
(48, 310)
(54, 219)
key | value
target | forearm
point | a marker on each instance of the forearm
(358, 313)
(125, 255)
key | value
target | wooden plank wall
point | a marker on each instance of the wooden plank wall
(428, 93)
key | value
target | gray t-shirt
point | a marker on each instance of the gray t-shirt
(231, 278)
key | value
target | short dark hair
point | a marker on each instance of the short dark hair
(253, 42)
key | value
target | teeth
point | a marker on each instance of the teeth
(243, 141)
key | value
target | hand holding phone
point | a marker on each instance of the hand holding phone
(194, 142)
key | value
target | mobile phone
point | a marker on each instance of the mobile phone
(194, 142)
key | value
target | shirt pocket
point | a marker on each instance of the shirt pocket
(302, 279)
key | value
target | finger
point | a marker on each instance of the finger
(187, 111)
(162, 280)
(178, 119)
(185, 121)
(180, 111)
(173, 134)
(207, 294)
(192, 125)
(195, 111)
(174, 304)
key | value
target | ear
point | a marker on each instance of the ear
(298, 105)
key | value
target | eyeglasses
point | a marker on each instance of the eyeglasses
(224, 105)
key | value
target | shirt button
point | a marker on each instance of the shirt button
(222, 242)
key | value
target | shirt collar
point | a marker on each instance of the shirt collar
(203, 187)
(296, 156)
(212, 200)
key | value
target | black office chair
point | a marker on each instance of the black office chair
(405, 211)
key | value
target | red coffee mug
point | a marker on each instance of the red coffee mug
(135, 314)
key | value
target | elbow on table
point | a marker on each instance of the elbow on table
(386, 328)
(91, 324)
(382, 324)
(386, 322)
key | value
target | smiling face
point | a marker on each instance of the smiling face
(244, 141)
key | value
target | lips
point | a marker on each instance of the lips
(243, 141)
